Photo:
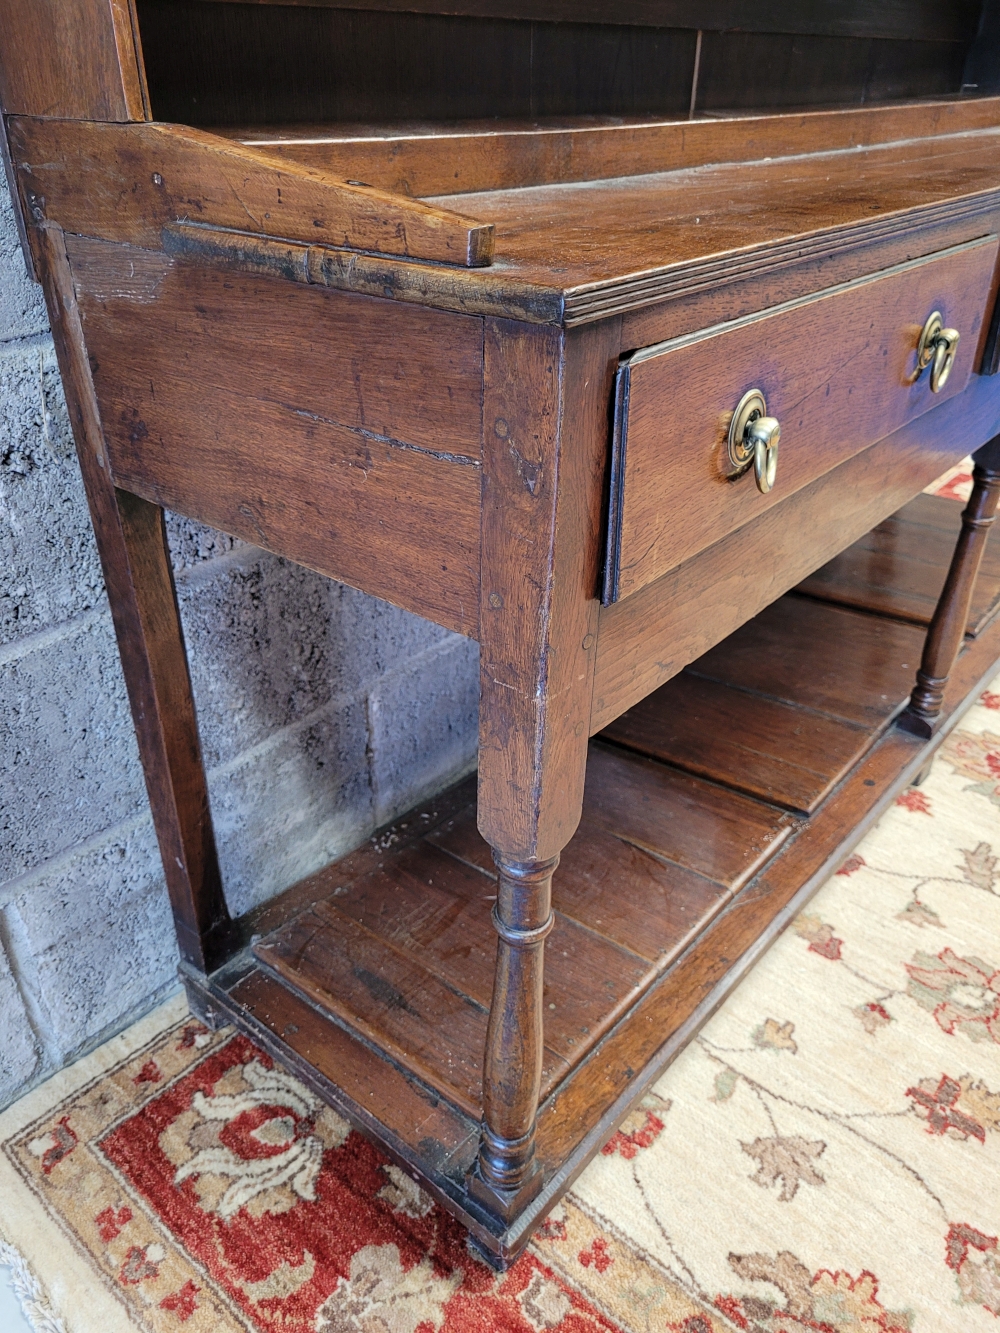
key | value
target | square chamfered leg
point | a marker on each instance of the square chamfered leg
(132, 543)
(948, 624)
(544, 439)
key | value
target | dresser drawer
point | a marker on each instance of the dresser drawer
(836, 369)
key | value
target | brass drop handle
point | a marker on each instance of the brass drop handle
(936, 348)
(764, 433)
(754, 438)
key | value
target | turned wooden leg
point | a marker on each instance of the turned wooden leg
(947, 627)
(545, 426)
(506, 1175)
(132, 543)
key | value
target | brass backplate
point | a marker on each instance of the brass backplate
(928, 336)
(750, 406)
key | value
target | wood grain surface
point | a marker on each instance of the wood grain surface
(898, 568)
(434, 158)
(312, 61)
(765, 747)
(405, 953)
(649, 637)
(338, 430)
(480, 291)
(74, 58)
(671, 1013)
(845, 18)
(544, 451)
(620, 244)
(786, 734)
(668, 904)
(131, 540)
(775, 654)
(388, 997)
(604, 247)
(667, 311)
(837, 370)
(126, 182)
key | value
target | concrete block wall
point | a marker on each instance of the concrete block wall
(323, 713)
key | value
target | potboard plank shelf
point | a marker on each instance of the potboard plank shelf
(712, 811)
(898, 568)
(405, 956)
(770, 712)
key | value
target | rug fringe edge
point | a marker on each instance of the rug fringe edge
(29, 1291)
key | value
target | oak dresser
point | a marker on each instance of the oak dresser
(621, 339)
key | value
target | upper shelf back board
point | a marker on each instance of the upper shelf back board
(922, 20)
(217, 62)
(74, 58)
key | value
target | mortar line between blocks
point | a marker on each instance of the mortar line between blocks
(190, 576)
(40, 639)
(272, 741)
(59, 861)
(361, 697)
(438, 649)
(29, 341)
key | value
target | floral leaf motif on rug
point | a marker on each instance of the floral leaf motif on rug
(820, 935)
(980, 866)
(917, 802)
(785, 1161)
(963, 994)
(380, 1292)
(976, 755)
(941, 1105)
(223, 1195)
(51, 1147)
(976, 1262)
(823, 1300)
(775, 1036)
(640, 1129)
(259, 1141)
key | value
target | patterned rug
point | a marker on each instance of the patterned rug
(826, 1155)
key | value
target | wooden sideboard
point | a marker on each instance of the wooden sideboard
(504, 313)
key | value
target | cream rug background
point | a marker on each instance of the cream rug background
(825, 1156)
(831, 1149)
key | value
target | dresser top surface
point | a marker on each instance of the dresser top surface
(587, 207)
(602, 232)
(588, 219)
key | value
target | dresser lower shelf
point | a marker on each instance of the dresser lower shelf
(714, 809)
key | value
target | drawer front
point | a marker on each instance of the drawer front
(836, 369)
